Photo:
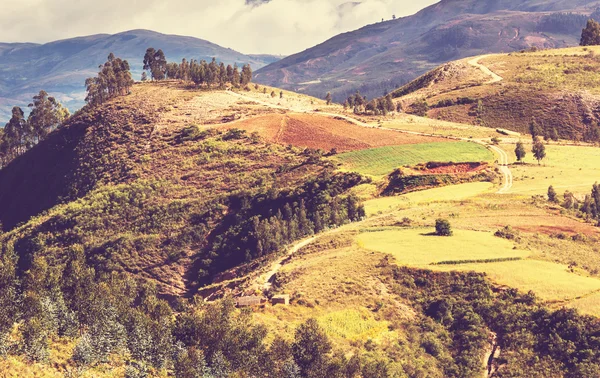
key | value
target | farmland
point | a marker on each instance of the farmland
(416, 247)
(323, 132)
(383, 160)
(573, 168)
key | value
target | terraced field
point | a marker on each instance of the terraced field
(383, 160)
(499, 259)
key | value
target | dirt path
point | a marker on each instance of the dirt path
(503, 167)
(490, 356)
(265, 280)
(475, 63)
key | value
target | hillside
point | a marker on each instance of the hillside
(61, 67)
(559, 89)
(200, 197)
(384, 56)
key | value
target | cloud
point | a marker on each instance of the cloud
(275, 27)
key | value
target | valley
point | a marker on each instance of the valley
(150, 213)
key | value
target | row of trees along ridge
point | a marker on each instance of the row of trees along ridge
(199, 72)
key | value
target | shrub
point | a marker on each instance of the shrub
(443, 228)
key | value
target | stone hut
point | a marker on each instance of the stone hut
(281, 299)
(248, 301)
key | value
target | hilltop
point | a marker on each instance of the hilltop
(556, 88)
(61, 67)
(386, 55)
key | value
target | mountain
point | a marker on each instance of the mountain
(61, 67)
(559, 89)
(383, 56)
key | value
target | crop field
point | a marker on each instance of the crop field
(416, 247)
(383, 160)
(550, 281)
(323, 132)
(574, 168)
(447, 193)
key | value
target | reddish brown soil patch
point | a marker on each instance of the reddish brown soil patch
(456, 168)
(325, 133)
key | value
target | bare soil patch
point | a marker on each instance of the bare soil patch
(325, 133)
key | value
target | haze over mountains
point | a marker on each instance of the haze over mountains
(61, 67)
(375, 59)
(382, 56)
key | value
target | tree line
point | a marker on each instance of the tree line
(113, 79)
(361, 105)
(203, 73)
(20, 133)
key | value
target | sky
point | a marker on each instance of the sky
(278, 27)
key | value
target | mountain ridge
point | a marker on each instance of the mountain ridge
(383, 56)
(61, 67)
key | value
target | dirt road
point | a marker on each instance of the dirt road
(475, 63)
(265, 280)
(503, 167)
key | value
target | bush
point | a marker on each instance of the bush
(443, 228)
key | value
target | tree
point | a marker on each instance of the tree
(590, 36)
(552, 195)
(554, 134)
(311, 347)
(443, 228)
(149, 59)
(144, 77)
(114, 79)
(246, 76)
(46, 115)
(534, 129)
(538, 149)
(328, 99)
(281, 94)
(420, 108)
(156, 63)
(389, 103)
(520, 151)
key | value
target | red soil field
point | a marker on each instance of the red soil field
(325, 133)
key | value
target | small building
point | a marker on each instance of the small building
(281, 299)
(248, 301)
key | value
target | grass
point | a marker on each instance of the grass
(447, 193)
(383, 160)
(574, 168)
(549, 280)
(353, 325)
(414, 247)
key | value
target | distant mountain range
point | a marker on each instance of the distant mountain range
(61, 67)
(383, 56)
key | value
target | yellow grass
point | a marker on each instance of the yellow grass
(353, 325)
(574, 168)
(414, 247)
(550, 281)
(447, 193)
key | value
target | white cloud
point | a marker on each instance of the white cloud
(276, 27)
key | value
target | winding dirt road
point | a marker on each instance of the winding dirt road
(475, 63)
(265, 280)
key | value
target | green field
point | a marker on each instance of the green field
(459, 192)
(383, 160)
(550, 281)
(574, 168)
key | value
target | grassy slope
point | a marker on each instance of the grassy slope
(141, 191)
(557, 87)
